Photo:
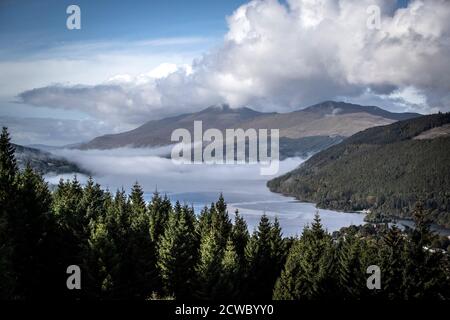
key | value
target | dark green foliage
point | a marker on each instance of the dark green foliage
(392, 262)
(127, 249)
(178, 254)
(382, 169)
(159, 210)
(8, 207)
(264, 254)
(240, 238)
(209, 266)
(31, 231)
(354, 255)
(425, 275)
(220, 221)
(230, 282)
(309, 270)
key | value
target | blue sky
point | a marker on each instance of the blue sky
(36, 31)
(133, 61)
(35, 25)
(30, 26)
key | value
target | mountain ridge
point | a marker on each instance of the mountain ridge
(308, 122)
(44, 161)
(381, 169)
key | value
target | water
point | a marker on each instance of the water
(198, 185)
(292, 214)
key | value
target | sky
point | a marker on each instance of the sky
(141, 60)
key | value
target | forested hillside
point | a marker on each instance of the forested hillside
(383, 169)
(129, 249)
(44, 161)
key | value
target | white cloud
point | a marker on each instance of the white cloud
(283, 56)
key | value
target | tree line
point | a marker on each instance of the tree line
(129, 249)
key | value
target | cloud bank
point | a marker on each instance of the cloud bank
(115, 167)
(282, 56)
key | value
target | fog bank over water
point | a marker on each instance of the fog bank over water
(199, 184)
(122, 167)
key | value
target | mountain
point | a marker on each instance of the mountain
(383, 169)
(44, 161)
(302, 132)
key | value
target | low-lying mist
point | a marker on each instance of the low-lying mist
(200, 184)
(122, 167)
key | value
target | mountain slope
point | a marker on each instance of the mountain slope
(327, 122)
(44, 162)
(385, 169)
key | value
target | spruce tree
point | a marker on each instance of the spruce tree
(159, 210)
(220, 221)
(278, 248)
(142, 250)
(209, 266)
(308, 273)
(392, 263)
(240, 238)
(204, 221)
(231, 278)
(32, 235)
(350, 273)
(260, 269)
(177, 255)
(424, 276)
(8, 201)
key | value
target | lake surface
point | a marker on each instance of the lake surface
(198, 185)
(292, 214)
(242, 186)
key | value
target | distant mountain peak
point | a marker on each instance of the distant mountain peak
(332, 108)
(224, 107)
(328, 118)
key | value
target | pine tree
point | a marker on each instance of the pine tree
(204, 221)
(240, 238)
(92, 201)
(143, 277)
(159, 210)
(209, 266)
(308, 273)
(350, 272)
(220, 221)
(73, 228)
(230, 282)
(424, 276)
(177, 255)
(93, 207)
(104, 257)
(392, 263)
(8, 192)
(32, 231)
(260, 264)
(278, 248)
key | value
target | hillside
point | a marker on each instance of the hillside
(385, 169)
(44, 161)
(302, 132)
